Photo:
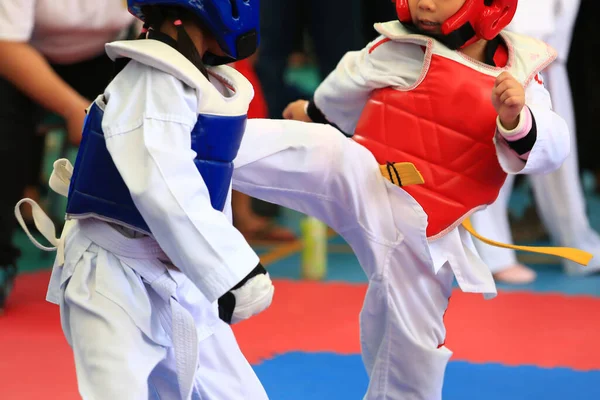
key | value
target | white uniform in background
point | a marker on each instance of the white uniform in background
(65, 31)
(558, 195)
(316, 170)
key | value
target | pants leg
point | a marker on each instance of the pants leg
(336, 28)
(279, 29)
(113, 358)
(493, 223)
(376, 11)
(281, 25)
(224, 372)
(17, 124)
(19, 147)
(584, 79)
(16, 137)
(118, 319)
(402, 330)
(559, 195)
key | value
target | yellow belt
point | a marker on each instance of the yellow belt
(404, 174)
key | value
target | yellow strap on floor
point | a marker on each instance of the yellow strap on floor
(576, 255)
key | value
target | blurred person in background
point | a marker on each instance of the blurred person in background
(291, 30)
(559, 195)
(52, 61)
(334, 27)
(376, 11)
(585, 82)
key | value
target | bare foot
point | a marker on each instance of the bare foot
(517, 274)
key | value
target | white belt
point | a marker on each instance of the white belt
(182, 331)
(59, 182)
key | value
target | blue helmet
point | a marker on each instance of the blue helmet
(233, 23)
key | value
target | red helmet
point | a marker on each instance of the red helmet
(486, 18)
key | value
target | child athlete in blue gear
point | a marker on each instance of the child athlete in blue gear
(150, 271)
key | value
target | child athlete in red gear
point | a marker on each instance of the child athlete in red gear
(443, 91)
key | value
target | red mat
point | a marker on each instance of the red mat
(516, 328)
(523, 328)
(35, 359)
(546, 330)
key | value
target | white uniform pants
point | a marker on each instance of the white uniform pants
(142, 330)
(402, 330)
(317, 171)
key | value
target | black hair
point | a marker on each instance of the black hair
(155, 17)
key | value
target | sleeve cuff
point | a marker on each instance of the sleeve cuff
(521, 139)
(521, 130)
(314, 113)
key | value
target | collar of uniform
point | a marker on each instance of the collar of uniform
(121, 63)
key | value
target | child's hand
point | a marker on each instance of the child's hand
(508, 98)
(297, 111)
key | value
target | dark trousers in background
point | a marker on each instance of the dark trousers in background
(21, 149)
(335, 27)
(584, 76)
(377, 11)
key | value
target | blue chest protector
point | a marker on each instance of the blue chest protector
(98, 190)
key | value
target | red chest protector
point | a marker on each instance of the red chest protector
(445, 127)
